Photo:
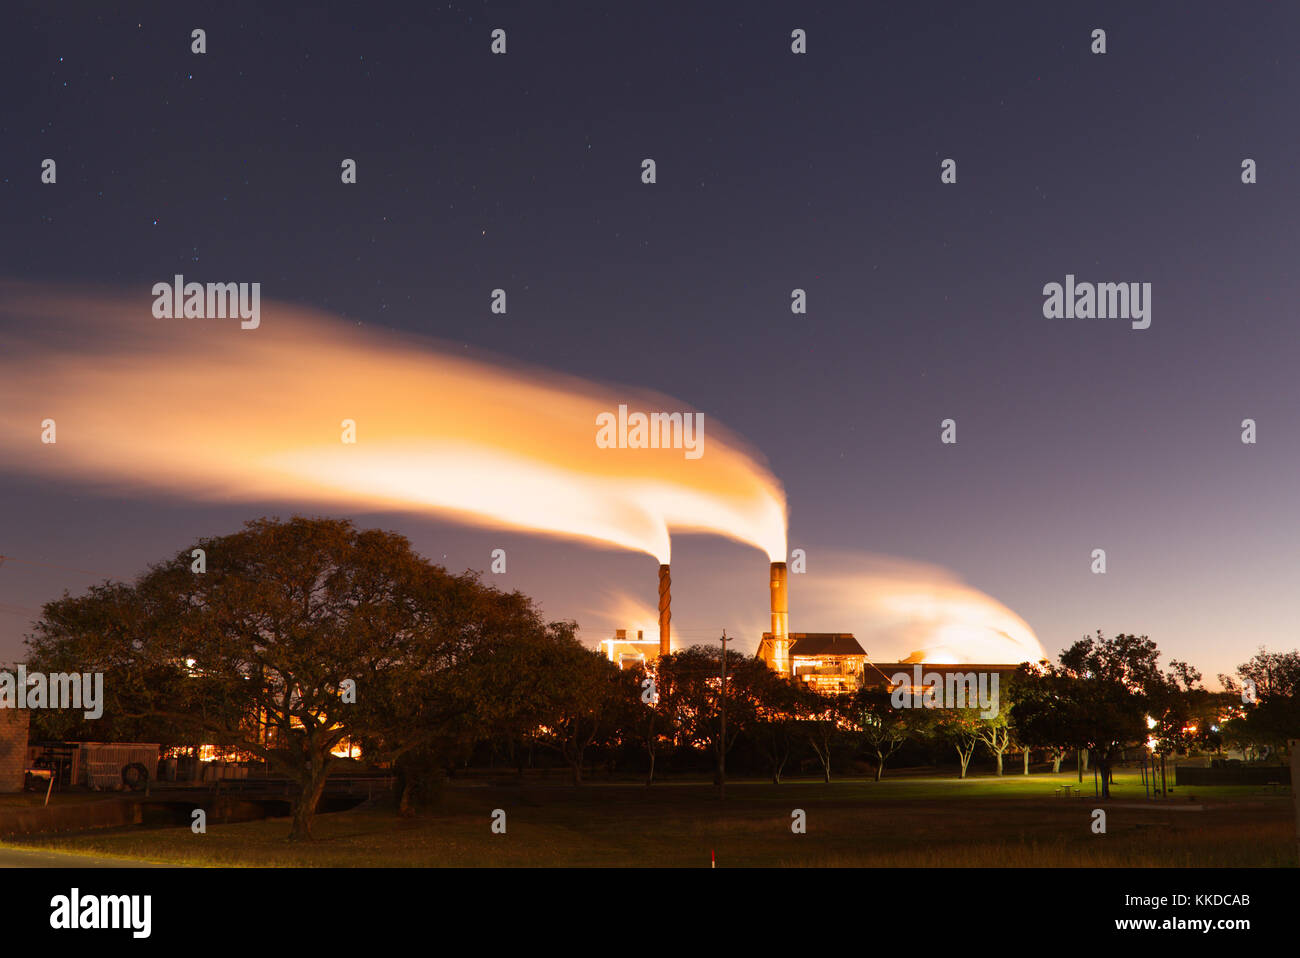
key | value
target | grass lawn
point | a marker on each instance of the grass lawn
(986, 821)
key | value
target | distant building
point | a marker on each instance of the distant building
(625, 652)
(829, 662)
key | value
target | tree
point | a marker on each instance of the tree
(820, 718)
(583, 700)
(651, 717)
(508, 681)
(299, 635)
(693, 678)
(882, 727)
(1024, 753)
(97, 632)
(775, 719)
(1034, 716)
(1268, 688)
(1098, 699)
(995, 732)
(960, 728)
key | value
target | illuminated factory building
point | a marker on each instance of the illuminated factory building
(826, 661)
(829, 662)
(625, 652)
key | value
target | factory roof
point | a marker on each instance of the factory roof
(824, 643)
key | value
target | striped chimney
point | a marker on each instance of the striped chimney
(665, 610)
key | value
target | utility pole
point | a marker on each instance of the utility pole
(722, 754)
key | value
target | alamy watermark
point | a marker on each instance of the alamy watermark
(946, 690)
(1098, 301)
(74, 910)
(656, 430)
(181, 300)
(59, 690)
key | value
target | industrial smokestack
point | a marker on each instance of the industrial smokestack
(665, 610)
(780, 619)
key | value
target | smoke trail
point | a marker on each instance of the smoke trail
(622, 610)
(200, 408)
(896, 607)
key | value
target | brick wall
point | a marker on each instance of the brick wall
(13, 748)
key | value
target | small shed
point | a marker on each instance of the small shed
(100, 764)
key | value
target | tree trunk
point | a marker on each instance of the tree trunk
(999, 757)
(1026, 754)
(1056, 762)
(824, 758)
(880, 769)
(305, 807)
(650, 779)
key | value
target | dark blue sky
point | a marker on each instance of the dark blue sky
(775, 171)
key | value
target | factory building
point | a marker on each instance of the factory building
(829, 662)
(625, 652)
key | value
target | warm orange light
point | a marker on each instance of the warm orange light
(897, 606)
(204, 409)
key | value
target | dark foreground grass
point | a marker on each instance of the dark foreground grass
(1008, 822)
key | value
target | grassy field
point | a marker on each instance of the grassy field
(985, 821)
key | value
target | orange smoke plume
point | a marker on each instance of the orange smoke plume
(896, 607)
(205, 409)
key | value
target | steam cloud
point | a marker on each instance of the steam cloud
(896, 607)
(198, 408)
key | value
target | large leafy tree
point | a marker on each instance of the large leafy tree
(691, 682)
(1268, 690)
(101, 631)
(584, 699)
(298, 635)
(1034, 698)
(1099, 698)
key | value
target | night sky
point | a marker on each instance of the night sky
(775, 171)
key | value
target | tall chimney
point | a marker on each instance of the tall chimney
(665, 610)
(780, 619)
